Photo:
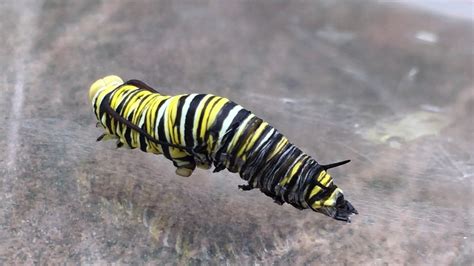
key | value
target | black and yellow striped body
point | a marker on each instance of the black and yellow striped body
(202, 130)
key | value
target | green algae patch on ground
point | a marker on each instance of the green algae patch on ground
(399, 129)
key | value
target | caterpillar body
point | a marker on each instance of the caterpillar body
(201, 130)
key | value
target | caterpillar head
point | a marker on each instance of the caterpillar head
(325, 197)
(335, 206)
(107, 83)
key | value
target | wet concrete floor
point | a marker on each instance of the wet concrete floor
(383, 84)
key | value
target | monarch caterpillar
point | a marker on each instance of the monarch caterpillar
(200, 130)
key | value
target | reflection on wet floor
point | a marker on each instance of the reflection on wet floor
(379, 83)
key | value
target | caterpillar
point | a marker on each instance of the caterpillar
(201, 130)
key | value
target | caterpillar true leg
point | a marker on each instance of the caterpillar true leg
(101, 137)
(106, 136)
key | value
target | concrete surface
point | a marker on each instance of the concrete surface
(385, 85)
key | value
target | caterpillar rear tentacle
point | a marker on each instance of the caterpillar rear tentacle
(201, 130)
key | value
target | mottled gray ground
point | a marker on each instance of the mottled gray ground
(389, 87)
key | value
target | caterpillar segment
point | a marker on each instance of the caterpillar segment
(204, 130)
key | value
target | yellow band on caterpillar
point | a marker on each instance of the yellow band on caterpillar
(109, 82)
